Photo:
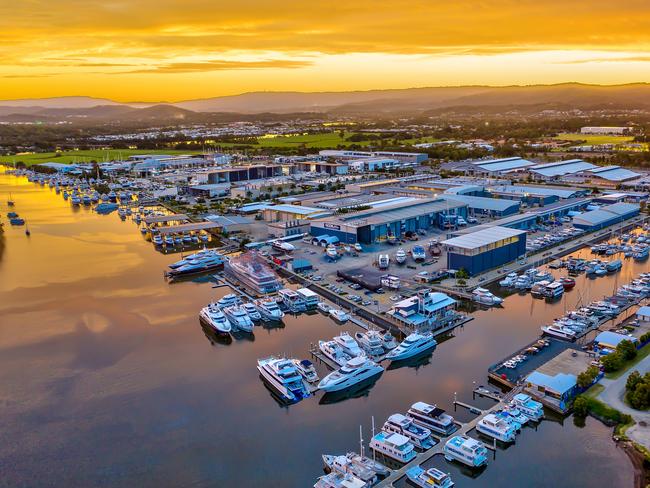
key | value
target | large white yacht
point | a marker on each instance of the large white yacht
(268, 309)
(238, 317)
(215, 318)
(355, 371)
(251, 271)
(413, 345)
(497, 428)
(229, 300)
(431, 417)
(334, 352)
(394, 446)
(349, 345)
(466, 450)
(372, 342)
(307, 370)
(429, 478)
(559, 331)
(282, 375)
(252, 311)
(401, 424)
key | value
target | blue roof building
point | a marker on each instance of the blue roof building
(608, 215)
(609, 339)
(425, 311)
(562, 386)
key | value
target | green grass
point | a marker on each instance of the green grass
(98, 155)
(641, 354)
(594, 391)
(594, 138)
(315, 141)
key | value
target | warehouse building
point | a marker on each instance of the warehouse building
(322, 167)
(611, 214)
(535, 195)
(485, 249)
(612, 174)
(555, 171)
(489, 167)
(492, 207)
(406, 158)
(244, 173)
(286, 212)
(392, 220)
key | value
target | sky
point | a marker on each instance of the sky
(166, 50)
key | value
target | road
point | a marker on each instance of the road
(613, 394)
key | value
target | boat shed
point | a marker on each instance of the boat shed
(494, 207)
(395, 219)
(609, 339)
(485, 249)
(643, 314)
(611, 214)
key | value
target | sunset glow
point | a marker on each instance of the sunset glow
(170, 50)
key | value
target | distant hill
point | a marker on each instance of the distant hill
(413, 100)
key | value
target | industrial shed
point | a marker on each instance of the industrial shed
(485, 249)
(611, 214)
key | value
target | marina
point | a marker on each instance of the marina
(165, 346)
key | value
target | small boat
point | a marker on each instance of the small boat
(418, 253)
(485, 297)
(324, 307)
(567, 282)
(496, 428)
(334, 352)
(357, 247)
(157, 240)
(383, 261)
(394, 446)
(339, 315)
(400, 256)
(331, 252)
(307, 370)
(348, 345)
(429, 478)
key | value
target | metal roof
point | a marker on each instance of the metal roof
(482, 238)
(173, 229)
(226, 220)
(484, 203)
(535, 190)
(401, 211)
(504, 164)
(560, 383)
(621, 208)
(610, 338)
(296, 209)
(614, 173)
(594, 217)
(153, 219)
(560, 168)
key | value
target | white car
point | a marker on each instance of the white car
(472, 220)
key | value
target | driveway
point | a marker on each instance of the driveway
(613, 396)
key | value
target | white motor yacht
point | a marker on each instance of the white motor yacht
(252, 312)
(400, 256)
(238, 317)
(282, 375)
(334, 352)
(229, 300)
(268, 309)
(383, 261)
(348, 344)
(215, 318)
(485, 297)
(338, 480)
(339, 315)
(292, 300)
(559, 331)
(418, 253)
(413, 345)
(307, 370)
(355, 371)
(372, 342)
(324, 307)
(529, 407)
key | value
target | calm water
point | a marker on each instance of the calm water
(108, 379)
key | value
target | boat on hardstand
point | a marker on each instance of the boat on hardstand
(355, 371)
(283, 377)
(215, 318)
(429, 478)
(413, 345)
(400, 256)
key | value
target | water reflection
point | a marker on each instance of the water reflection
(105, 377)
(357, 391)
